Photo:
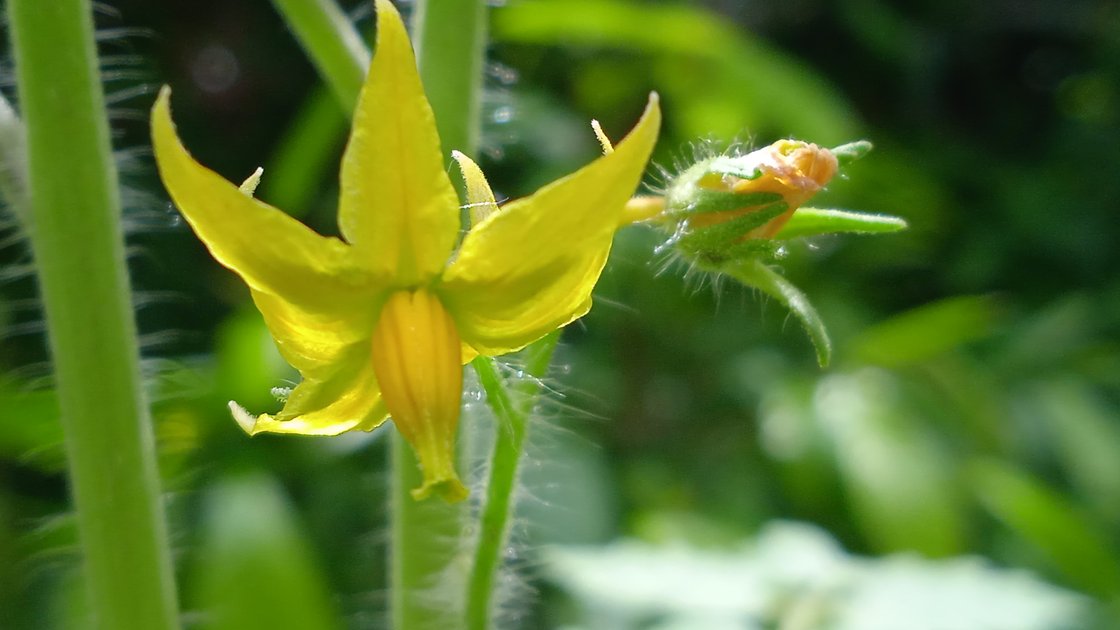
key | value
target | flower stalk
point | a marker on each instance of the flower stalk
(76, 237)
(513, 408)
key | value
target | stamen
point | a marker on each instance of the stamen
(416, 355)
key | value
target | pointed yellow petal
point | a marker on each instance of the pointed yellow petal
(480, 199)
(344, 400)
(530, 268)
(270, 250)
(397, 206)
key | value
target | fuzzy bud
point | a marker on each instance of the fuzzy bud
(730, 207)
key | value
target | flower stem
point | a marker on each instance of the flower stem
(76, 238)
(332, 42)
(450, 40)
(512, 409)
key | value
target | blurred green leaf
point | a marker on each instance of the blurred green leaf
(31, 433)
(816, 221)
(922, 333)
(761, 85)
(900, 483)
(1086, 434)
(1075, 544)
(254, 568)
(248, 364)
(306, 154)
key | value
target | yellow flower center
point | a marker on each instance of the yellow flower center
(416, 357)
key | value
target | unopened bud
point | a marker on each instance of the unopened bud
(729, 207)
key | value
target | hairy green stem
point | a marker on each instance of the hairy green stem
(332, 42)
(512, 409)
(77, 241)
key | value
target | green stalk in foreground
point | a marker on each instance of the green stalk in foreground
(512, 410)
(77, 241)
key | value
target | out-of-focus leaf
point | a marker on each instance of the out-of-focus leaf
(899, 479)
(796, 576)
(816, 221)
(762, 85)
(927, 331)
(306, 154)
(254, 568)
(1086, 434)
(1072, 542)
(248, 364)
(31, 432)
(757, 274)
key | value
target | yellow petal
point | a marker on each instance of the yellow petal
(480, 199)
(397, 206)
(530, 268)
(313, 341)
(345, 399)
(270, 250)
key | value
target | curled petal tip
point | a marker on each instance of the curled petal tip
(245, 420)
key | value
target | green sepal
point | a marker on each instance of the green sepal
(852, 151)
(757, 274)
(816, 221)
(718, 243)
(702, 201)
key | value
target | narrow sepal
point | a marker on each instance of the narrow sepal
(757, 274)
(816, 221)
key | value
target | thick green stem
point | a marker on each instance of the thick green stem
(76, 238)
(512, 410)
(332, 42)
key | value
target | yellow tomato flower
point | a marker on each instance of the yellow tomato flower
(379, 322)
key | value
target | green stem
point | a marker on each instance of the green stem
(512, 410)
(76, 237)
(449, 37)
(450, 41)
(332, 42)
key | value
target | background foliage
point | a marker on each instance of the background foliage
(971, 409)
